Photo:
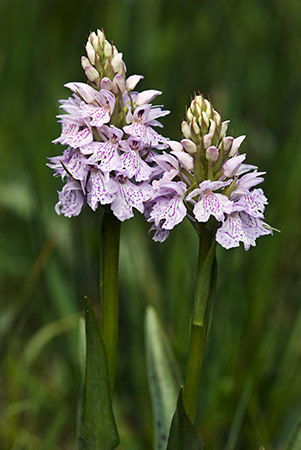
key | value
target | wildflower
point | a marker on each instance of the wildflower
(205, 178)
(108, 130)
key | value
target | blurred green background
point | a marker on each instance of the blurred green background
(246, 57)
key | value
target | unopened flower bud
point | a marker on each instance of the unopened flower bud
(114, 50)
(236, 144)
(205, 120)
(119, 82)
(212, 153)
(227, 143)
(207, 140)
(90, 71)
(107, 49)
(195, 109)
(189, 114)
(92, 74)
(106, 83)
(217, 118)
(101, 37)
(189, 146)
(175, 146)
(209, 109)
(132, 81)
(213, 127)
(90, 52)
(224, 128)
(93, 39)
(186, 129)
(195, 129)
(117, 62)
(201, 102)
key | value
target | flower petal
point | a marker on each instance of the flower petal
(101, 189)
(212, 204)
(128, 196)
(71, 200)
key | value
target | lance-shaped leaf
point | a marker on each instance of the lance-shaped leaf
(183, 435)
(98, 428)
(163, 376)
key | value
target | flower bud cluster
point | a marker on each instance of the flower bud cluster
(108, 130)
(206, 180)
(103, 60)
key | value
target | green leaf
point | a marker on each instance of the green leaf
(163, 375)
(183, 435)
(294, 441)
(98, 428)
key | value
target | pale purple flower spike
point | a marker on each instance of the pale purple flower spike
(206, 180)
(108, 128)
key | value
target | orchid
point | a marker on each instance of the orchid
(216, 184)
(108, 130)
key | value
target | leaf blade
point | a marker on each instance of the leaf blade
(183, 435)
(98, 428)
(163, 375)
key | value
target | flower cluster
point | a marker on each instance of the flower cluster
(206, 179)
(108, 130)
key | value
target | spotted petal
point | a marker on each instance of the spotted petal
(253, 228)
(252, 203)
(68, 130)
(71, 200)
(128, 196)
(77, 166)
(99, 114)
(212, 204)
(101, 189)
(134, 166)
(230, 234)
(106, 155)
(81, 138)
(168, 212)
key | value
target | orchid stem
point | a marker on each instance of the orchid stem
(204, 289)
(109, 290)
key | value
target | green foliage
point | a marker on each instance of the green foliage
(97, 429)
(183, 435)
(294, 442)
(163, 377)
(245, 56)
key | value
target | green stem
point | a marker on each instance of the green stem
(109, 290)
(200, 321)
